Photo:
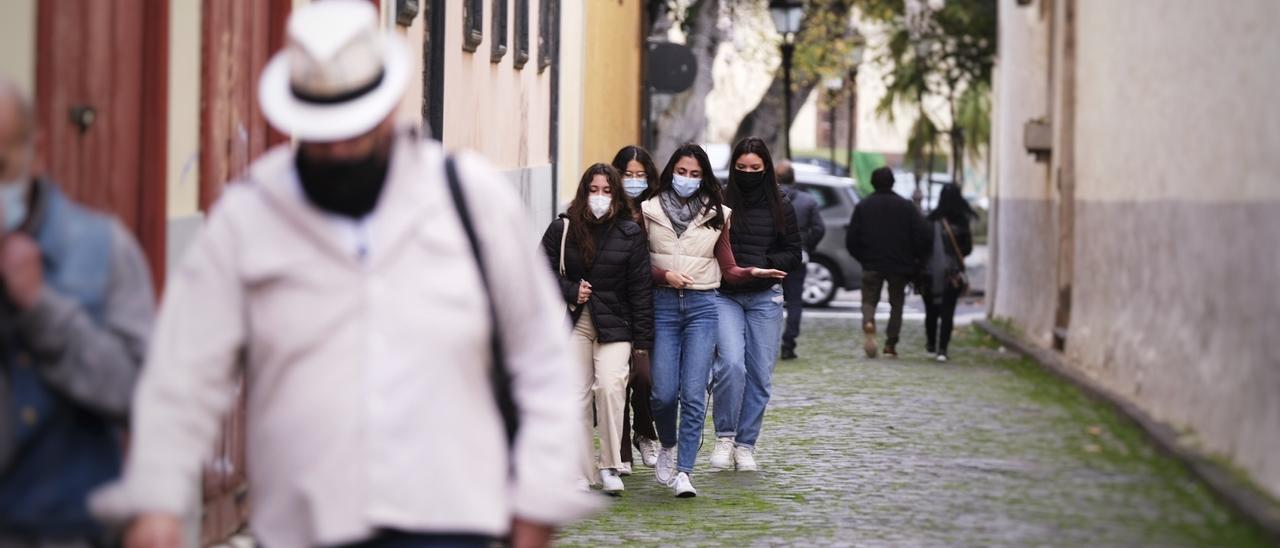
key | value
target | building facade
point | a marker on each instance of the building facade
(149, 108)
(1136, 206)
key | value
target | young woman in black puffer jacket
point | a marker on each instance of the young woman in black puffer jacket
(606, 282)
(764, 235)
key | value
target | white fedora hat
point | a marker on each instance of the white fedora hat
(338, 76)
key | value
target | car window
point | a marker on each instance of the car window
(825, 196)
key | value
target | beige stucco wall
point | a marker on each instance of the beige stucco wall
(18, 42)
(1178, 208)
(182, 172)
(1024, 235)
(410, 111)
(1176, 211)
(494, 109)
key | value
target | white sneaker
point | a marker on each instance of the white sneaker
(682, 487)
(664, 470)
(649, 452)
(625, 469)
(722, 456)
(612, 484)
(746, 459)
(942, 357)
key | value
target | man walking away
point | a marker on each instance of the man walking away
(75, 313)
(373, 290)
(889, 237)
(812, 229)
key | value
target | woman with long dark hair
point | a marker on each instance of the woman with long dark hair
(639, 175)
(686, 220)
(945, 281)
(602, 257)
(764, 235)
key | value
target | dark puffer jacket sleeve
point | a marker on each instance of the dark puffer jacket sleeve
(787, 258)
(551, 247)
(640, 293)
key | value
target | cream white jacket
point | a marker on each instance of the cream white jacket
(691, 253)
(369, 402)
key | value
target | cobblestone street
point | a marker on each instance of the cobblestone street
(985, 450)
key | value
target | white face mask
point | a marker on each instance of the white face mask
(599, 205)
(685, 186)
(13, 197)
(634, 187)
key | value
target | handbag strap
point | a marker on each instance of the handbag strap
(564, 235)
(501, 375)
(954, 245)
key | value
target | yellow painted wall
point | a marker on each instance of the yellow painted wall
(18, 42)
(611, 78)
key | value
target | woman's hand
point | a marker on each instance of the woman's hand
(767, 273)
(584, 291)
(678, 280)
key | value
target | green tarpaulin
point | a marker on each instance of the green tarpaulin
(863, 164)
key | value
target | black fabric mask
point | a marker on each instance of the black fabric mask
(344, 187)
(751, 186)
(749, 179)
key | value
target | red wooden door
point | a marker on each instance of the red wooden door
(239, 36)
(101, 83)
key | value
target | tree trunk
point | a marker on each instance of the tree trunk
(682, 118)
(765, 121)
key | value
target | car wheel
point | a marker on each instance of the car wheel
(820, 283)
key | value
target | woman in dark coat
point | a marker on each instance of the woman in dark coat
(602, 258)
(763, 235)
(639, 178)
(944, 281)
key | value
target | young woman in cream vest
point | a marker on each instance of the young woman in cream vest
(689, 248)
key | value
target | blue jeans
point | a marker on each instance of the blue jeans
(684, 344)
(746, 351)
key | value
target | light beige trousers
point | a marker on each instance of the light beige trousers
(605, 369)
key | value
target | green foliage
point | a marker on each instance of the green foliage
(950, 55)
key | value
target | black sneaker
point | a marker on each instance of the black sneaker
(931, 348)
(789, 354)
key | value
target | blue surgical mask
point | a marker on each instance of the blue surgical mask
(13, 198)
(685, 186)
(635, 187)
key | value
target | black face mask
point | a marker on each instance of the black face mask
(344, 187)
(748, 180)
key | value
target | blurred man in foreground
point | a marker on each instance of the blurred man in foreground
(342, 277)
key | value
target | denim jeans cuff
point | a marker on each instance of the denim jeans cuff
(728, 434)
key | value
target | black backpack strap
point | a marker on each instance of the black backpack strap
(501, 375)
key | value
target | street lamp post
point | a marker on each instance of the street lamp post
(786, 16)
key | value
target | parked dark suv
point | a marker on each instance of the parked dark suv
(830, 268)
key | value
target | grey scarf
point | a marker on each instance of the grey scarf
(681, 214)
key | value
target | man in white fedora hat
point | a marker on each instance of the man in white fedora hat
(406, 360)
